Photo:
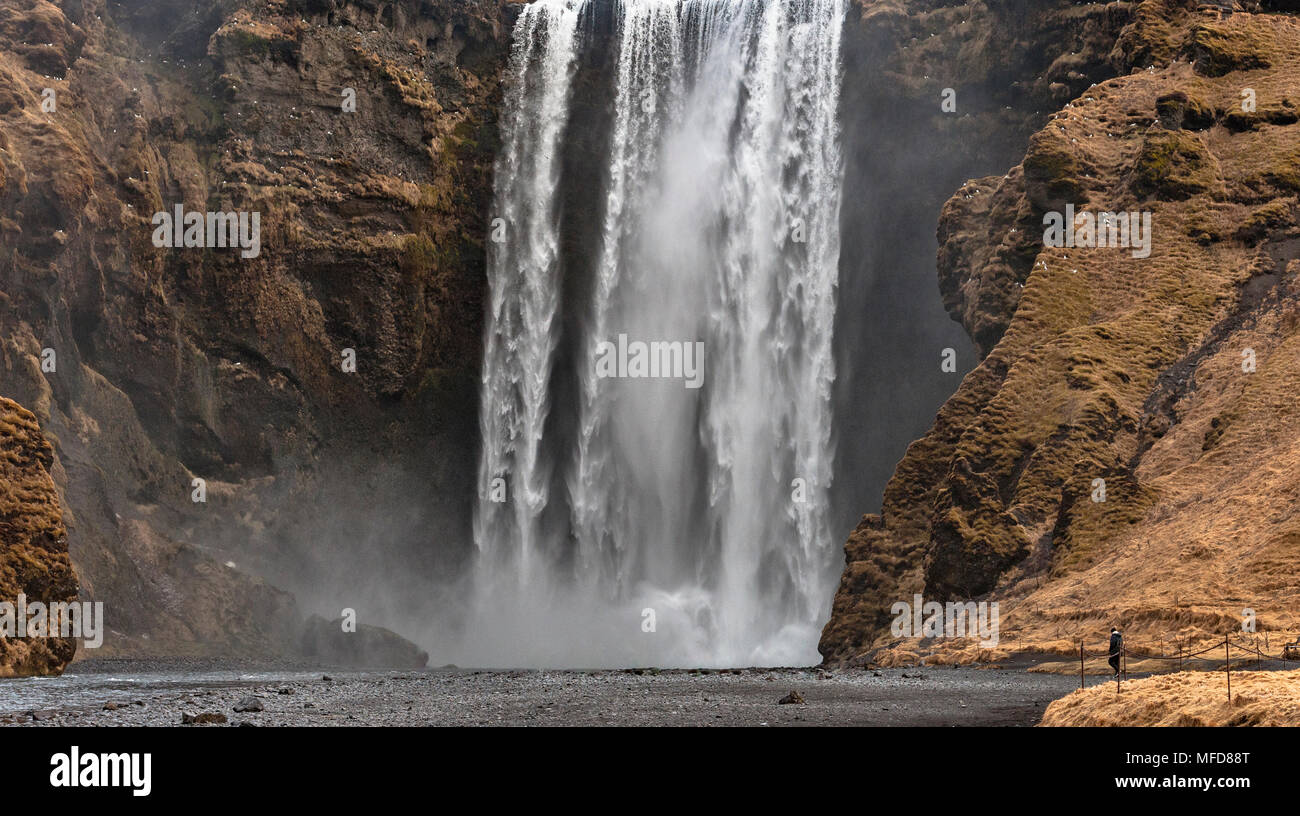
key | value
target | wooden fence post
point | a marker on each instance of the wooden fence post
(1227, 668)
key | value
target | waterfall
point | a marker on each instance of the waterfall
(665, 523)
(523, 284)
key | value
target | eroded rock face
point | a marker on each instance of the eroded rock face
(34, 559)
(1168, 381)
(171, 365)
(1003, 68)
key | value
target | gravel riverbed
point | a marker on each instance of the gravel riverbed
(136, 693)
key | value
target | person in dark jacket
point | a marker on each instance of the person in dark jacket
(1116, 646)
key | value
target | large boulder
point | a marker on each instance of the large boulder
(366, 647)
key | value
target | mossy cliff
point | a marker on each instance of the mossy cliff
(1171, 378)
(168, 366)
(34, 559)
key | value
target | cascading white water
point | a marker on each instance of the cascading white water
(524, 283)
(720, 224)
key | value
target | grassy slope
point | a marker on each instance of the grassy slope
(1184, 699)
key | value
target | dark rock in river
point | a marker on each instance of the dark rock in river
(368, 646)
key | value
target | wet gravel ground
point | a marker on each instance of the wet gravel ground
(158, 694)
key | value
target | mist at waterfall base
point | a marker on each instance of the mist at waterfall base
(646, 522)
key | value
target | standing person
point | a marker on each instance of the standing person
(1116, 646)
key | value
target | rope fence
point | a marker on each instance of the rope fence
(1290, 654)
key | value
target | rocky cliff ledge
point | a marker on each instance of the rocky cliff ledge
(363, 132)
(34, 559)
(1167, 381)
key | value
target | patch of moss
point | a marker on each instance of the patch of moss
(246, 41)
(1268, 218)
(1202, 229)
(1172, 165)
(1088, 529)
(33, 540)
(419, 255)
(1287, 173)
(1155, 34)
(423, 257)
(1178, 110)
(1053, 172)
(1282, 114)
(1217, 50)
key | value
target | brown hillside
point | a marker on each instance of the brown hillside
(1100, 365)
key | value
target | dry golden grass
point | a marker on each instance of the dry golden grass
(33, 543)
(1184, 699)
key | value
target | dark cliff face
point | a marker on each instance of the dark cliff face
(1105, 371)
(179, 364)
